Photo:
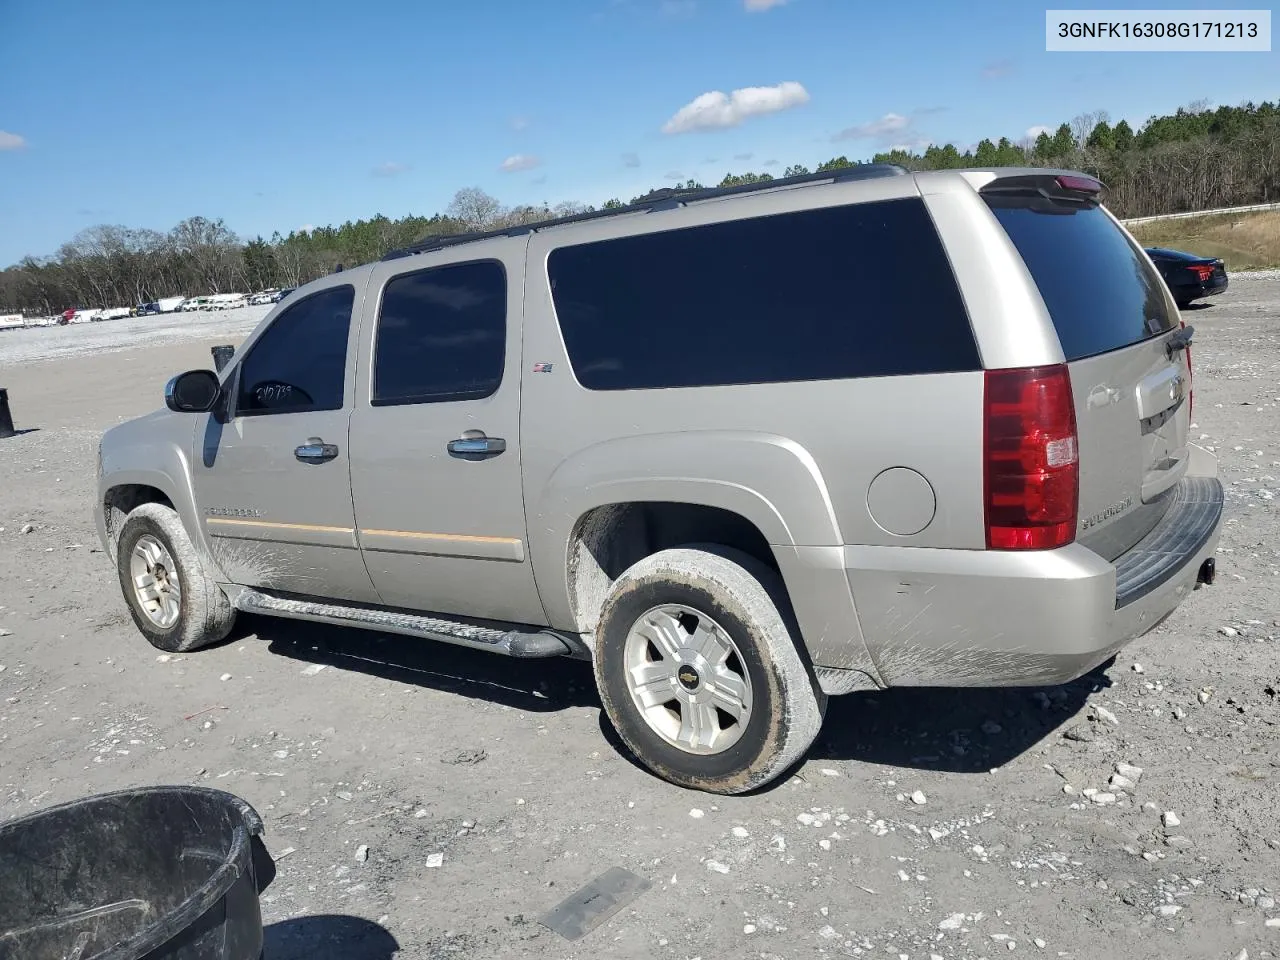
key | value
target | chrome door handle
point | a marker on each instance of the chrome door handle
(316, 450)
(474, 445)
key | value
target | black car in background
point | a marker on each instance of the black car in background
(1189, 277)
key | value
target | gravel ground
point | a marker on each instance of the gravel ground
(76, 339)
(433, 801)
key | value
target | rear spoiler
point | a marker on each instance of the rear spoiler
(1047, 191)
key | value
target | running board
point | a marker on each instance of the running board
(526, 644)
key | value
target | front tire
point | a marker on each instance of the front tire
(700, 673)
(174, 602)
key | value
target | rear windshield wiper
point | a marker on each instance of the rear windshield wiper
(1179, 341)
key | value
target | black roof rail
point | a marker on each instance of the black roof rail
(666, 198)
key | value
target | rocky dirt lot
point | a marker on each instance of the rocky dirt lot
(425, 801)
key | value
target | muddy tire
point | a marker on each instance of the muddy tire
(174, 602)
(699, 668)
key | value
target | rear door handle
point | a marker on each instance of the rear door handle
(474, 445)
(316, 450)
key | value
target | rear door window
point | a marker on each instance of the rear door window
(1100, 291)
(863, 290)
(442, 335)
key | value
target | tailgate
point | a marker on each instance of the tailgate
(1133, 417)
(1130, 372)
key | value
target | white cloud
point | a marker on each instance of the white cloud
(390, 169)
(759, 6)
(306, 228)
(11, 141)
(520, 123)
(997, 69)
(1039, 128)
(716, 109)
(520, 161)
(631, 160)
(888, 126)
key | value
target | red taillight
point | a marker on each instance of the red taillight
(1031, 461)
(1203, 271)
(1191, 393)
(1083, 184)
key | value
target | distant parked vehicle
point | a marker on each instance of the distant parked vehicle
(226, 301)
(1188, 276)
(163, 305)
(75, 315)
(113, 313)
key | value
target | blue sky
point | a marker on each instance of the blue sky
(275, 114)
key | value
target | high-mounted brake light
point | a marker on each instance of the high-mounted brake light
(1031, 462)
(1082, 184)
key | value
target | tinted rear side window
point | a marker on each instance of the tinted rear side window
(854, 291)
(1101, 293)
(442, 335)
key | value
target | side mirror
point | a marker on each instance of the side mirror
(195, 391)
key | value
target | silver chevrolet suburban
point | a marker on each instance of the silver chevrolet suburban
(741, 448)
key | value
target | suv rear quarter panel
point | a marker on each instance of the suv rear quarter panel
(1008, 316)
(797, 459)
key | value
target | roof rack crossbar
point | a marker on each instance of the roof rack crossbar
(666, 198)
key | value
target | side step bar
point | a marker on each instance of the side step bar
(523, 643)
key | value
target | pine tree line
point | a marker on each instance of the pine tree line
(1193, 159)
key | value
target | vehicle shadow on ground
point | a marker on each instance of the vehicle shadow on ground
(934, 729)
(328, 937)
(541, 686)
(952, 730)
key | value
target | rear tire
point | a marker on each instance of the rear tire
(700, 672)
(174, 602)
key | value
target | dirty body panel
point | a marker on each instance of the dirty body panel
(811, 396)
(660, 359)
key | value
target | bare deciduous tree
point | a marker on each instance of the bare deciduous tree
(474, 208)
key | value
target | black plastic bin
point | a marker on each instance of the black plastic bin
(155, 873)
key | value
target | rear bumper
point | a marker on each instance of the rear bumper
(1197, 290)
(957, 618)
